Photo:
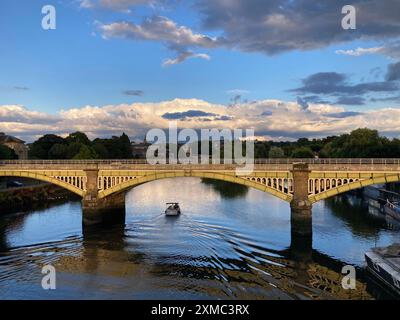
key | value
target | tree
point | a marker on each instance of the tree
(73, 149)
(101, 150)
(78, 137)
(276, 153)
(302, 153)
(58, 151)
(360, 143)
(85, 152)
(7, 153)
(40, 148)
(125, 146)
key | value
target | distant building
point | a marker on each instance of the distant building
(15, 144)
(139, 149)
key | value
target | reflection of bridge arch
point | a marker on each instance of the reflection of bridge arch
(72, 181)
(279, 187)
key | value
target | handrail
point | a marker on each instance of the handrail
(286, 161)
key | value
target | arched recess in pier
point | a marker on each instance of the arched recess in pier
(46, 178)
(245, 181)
(385, 178)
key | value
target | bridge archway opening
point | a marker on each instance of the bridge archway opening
(254, 183)
(65, 183)
(345, 185)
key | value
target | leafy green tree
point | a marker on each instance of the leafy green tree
(58, 151)
(261, 150)
(40, 148)
(78, 137)
(7, 153)
(73, 149)
(360, 143)
(125, 147)
(86, 152)
(302, 153)
(101, 150)
(276, 153)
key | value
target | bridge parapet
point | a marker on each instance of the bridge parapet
(326, 177)
(259, 165)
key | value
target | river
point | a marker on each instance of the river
(229, 243)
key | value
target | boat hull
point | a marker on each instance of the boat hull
(387, 270)
(172, 213)
(393, 212)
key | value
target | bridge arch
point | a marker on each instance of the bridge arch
(251, 182)
(42, 177)
(353, 185)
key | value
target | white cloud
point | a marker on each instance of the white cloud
(184, 56)
(158, 29)
(360, 51)
(87, 4)
(270, 118)
(390, 49)
(115, 4)
(237, 91)
(175, 37)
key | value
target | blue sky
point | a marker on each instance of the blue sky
(89, 61)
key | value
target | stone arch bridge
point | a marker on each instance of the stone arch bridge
(301, 182)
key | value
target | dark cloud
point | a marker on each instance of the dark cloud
(266, 26)
(345, 114)
(223, 118)
(386, 99)
(351, 101)
(20, 88)
(276, 26)
(332, 83)
(136, 93)
(266, 113)
(187, 114)
(393, 73)
(302, 103)
(315, 99)
(335, 88)
(236, 99)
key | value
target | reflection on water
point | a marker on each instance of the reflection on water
(228, 243)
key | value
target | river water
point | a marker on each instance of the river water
(229, 243)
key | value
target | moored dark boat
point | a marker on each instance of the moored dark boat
(384, 264)
(392, 208)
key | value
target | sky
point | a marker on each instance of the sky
(285, 68)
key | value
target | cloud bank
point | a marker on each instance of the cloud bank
(271, 119)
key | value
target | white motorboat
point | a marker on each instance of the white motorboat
(173, 209)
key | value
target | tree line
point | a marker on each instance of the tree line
(78, 146)
(360, 143)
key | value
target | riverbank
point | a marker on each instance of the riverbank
(30, 197)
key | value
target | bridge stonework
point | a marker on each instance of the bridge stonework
(97, 210)
(300, 182)
(301, 206)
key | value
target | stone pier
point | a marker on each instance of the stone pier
(301, 207)
(110, 209)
